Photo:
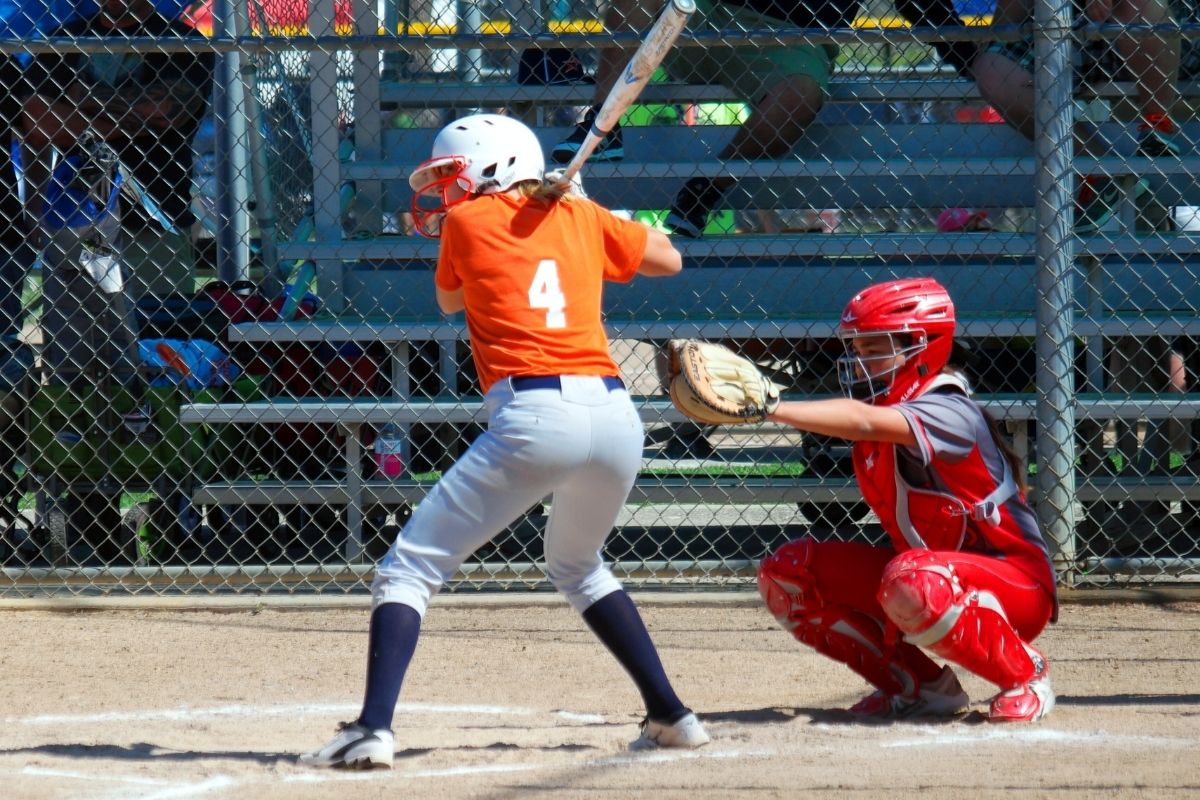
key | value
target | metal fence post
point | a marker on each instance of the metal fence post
(1055, 248)
(233, 162)
(264, 198)
(327, 170)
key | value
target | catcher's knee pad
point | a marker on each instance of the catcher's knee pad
(921, 595)
(784, 580)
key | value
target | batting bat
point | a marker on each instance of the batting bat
(641, 66)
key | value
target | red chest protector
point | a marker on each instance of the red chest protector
(929, 518)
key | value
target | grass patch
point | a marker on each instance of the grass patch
(781, 469)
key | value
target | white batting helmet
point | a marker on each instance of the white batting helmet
(488, 153)
(495, 151)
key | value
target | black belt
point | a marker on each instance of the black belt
(528, 382)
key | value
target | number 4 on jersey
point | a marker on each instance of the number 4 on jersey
(545, 293)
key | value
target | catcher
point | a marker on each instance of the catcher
(967, 576)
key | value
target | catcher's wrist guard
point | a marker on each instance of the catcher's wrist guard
(712, 384)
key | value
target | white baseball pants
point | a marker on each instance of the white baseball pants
(582, 444)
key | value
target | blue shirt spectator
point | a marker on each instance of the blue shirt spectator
(27, 19)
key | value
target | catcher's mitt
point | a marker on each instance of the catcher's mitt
(712, 384)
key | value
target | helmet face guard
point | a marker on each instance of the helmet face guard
(917, 317)
(870, 378)
(444, 185)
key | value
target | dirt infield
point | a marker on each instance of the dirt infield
(517, 700)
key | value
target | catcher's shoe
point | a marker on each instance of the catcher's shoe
(684, 732)
(941, 697)
(1028, 702)
(354, 747)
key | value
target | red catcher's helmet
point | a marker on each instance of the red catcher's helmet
(918, 315)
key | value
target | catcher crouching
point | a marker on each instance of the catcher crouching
(966, 575)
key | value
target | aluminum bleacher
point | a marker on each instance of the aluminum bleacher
(859, 155)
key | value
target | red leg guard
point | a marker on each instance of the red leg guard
(845, 634)
(922, 595)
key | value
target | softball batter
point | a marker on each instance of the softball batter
(528, 270)
(967, 575)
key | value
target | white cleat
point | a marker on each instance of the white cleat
(687, 732)
(354, 747)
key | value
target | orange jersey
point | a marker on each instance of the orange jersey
(532, 275)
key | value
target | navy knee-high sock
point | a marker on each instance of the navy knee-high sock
(394, 631)
(616, 622)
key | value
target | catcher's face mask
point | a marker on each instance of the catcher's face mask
(868, 370)
(441, 184)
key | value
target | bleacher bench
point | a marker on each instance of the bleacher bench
(858, 155)
(352, 414)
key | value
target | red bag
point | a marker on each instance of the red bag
(243, 301)
(296, 369)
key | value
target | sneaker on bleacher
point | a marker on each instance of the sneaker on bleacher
(611, 147)
(1099, 199)
(694, 202)
(1157, 137)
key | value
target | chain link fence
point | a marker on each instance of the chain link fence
(224, 370)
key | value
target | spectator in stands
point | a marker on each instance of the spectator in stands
(785, 85)
(19, 19)
(16, 255)
(1004, 74)
(1153, 364)
(956, 220)
(148, 107)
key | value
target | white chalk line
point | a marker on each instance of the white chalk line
(167, 790)
(46, 772)
(158, 788)
(170, 790)
(205, 786)
(174, 789)
(652, 757)
(937, 736)
(189, 714)
(326, 777)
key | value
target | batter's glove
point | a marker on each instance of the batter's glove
(554, 186)
(712, 384)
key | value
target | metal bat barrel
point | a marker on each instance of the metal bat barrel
(641, 66)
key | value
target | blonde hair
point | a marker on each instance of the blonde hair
(547, 190)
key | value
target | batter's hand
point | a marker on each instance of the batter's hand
(555, 186)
